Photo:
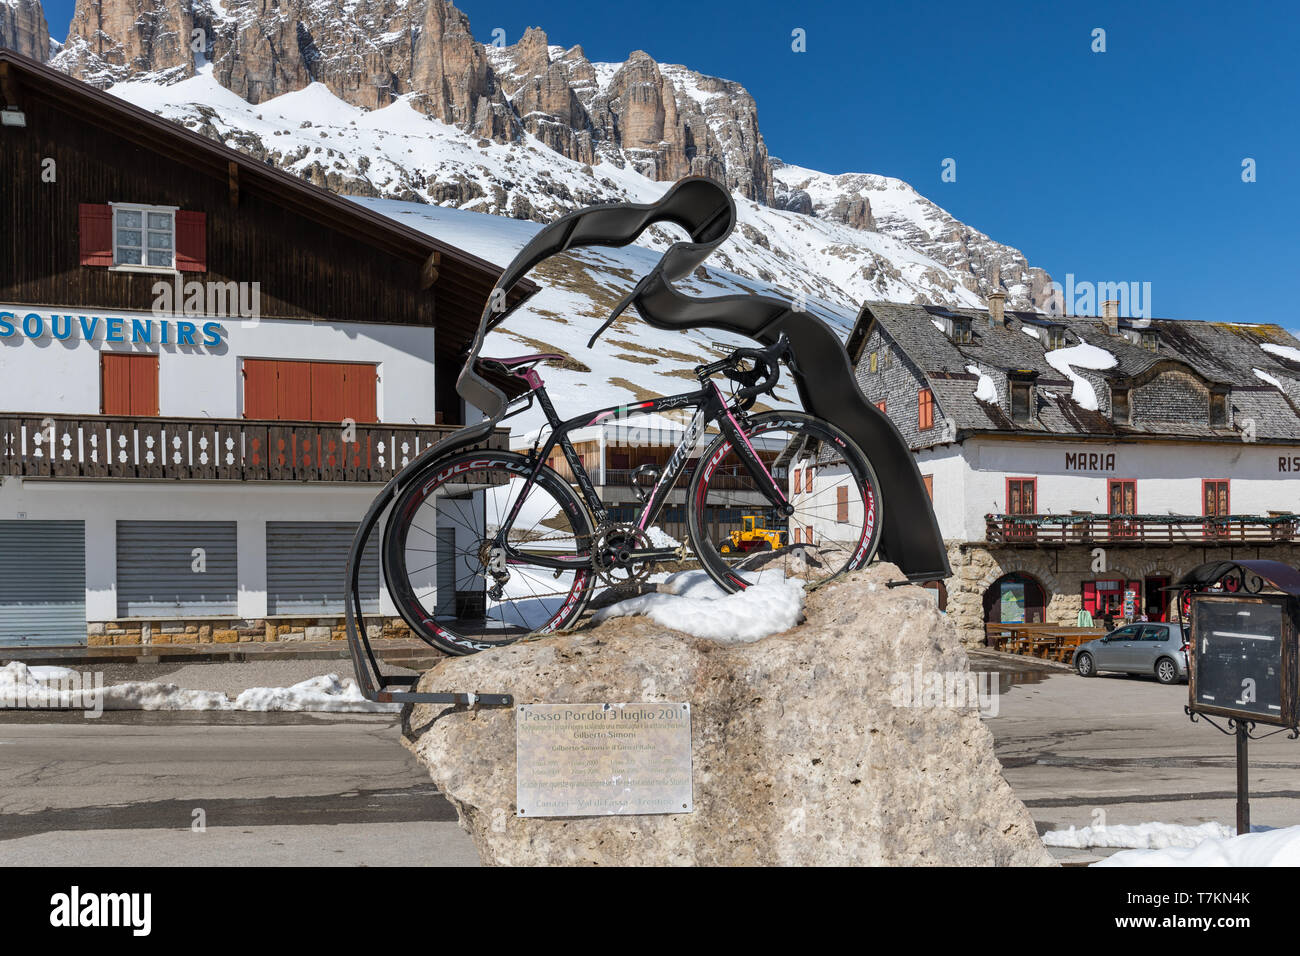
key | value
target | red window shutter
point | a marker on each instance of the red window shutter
(95, 228)
(327, 392)
(293, 391)
(144, 385)
(129, 384)
(1090, 597)
(259, 390)
(360, 393)
(191, 241)
(841, 503)
(929, 485)
(925, 409)
(115, 385)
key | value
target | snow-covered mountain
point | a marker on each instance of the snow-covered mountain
(395, 98)
(394, 102)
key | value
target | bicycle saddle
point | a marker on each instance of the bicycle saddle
(516, 361)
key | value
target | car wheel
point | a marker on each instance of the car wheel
(1166, 671)
(1085, 666)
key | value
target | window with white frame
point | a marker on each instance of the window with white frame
(144, 236)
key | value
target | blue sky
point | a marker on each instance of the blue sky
(1117, 166)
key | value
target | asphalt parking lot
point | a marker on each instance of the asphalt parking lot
(1119, 749)
(319, 789)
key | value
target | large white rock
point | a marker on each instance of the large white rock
(800, 754)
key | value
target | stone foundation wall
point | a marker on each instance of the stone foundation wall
(227, 631)
(1062, 571)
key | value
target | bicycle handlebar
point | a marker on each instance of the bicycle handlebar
(760, 379)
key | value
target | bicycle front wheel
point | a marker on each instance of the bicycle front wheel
(834, 526)
(464, 585)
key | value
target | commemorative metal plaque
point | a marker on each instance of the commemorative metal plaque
(602, 759)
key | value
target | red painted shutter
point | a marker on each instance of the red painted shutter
(191, 241)
(327, 392)
(95, 228)
(144, 385)
(293, 391)
(360, 393)
(115, 385)
(129, 384)
(841, 503)
(1090, 597)
(260, 400)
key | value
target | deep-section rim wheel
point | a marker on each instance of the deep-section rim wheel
(553, 521)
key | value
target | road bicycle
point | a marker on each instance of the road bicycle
(484, 547)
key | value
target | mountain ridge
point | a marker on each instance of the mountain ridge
(529, 130)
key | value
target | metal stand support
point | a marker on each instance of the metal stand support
(1243, 779)
(374, 683)
(1243, 730)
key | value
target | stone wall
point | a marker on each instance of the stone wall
(227, 631)
(1062, 571)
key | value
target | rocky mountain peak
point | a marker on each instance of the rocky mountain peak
(23, 28)
(524, 111)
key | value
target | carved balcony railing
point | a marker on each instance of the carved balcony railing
(1148, 530)
(33, 445)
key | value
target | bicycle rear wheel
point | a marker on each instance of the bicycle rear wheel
(450, 577)
(834, 527)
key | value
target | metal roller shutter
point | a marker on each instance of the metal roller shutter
(306, 567)
(42, 583)
(155, 569)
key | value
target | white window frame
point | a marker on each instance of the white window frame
(143, 265)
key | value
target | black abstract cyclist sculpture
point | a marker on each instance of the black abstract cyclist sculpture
(483, 547)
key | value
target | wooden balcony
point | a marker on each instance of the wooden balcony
(101, 446)
(1033, 531)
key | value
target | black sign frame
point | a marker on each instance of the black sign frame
(1286, 688)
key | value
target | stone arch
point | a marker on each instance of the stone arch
(1012, 563)
(1035, 594)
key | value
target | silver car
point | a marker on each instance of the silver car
(1159, 649)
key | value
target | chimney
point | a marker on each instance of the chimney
(997, 301)
(1110, 315)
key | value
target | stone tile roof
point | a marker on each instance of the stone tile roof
(1218, 353)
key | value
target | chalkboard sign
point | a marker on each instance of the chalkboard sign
(1243, 658)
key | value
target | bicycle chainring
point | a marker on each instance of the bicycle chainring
(611, 554)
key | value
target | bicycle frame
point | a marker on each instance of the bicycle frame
(710, 406)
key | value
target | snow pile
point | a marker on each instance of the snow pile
(660, 538)
(1264, 848)
(690, 602)
(1264, 376)
(62, 687)
(1084, 356)
(985, 391)
(1030, 331)
(1287, 352)
(1143, 836)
